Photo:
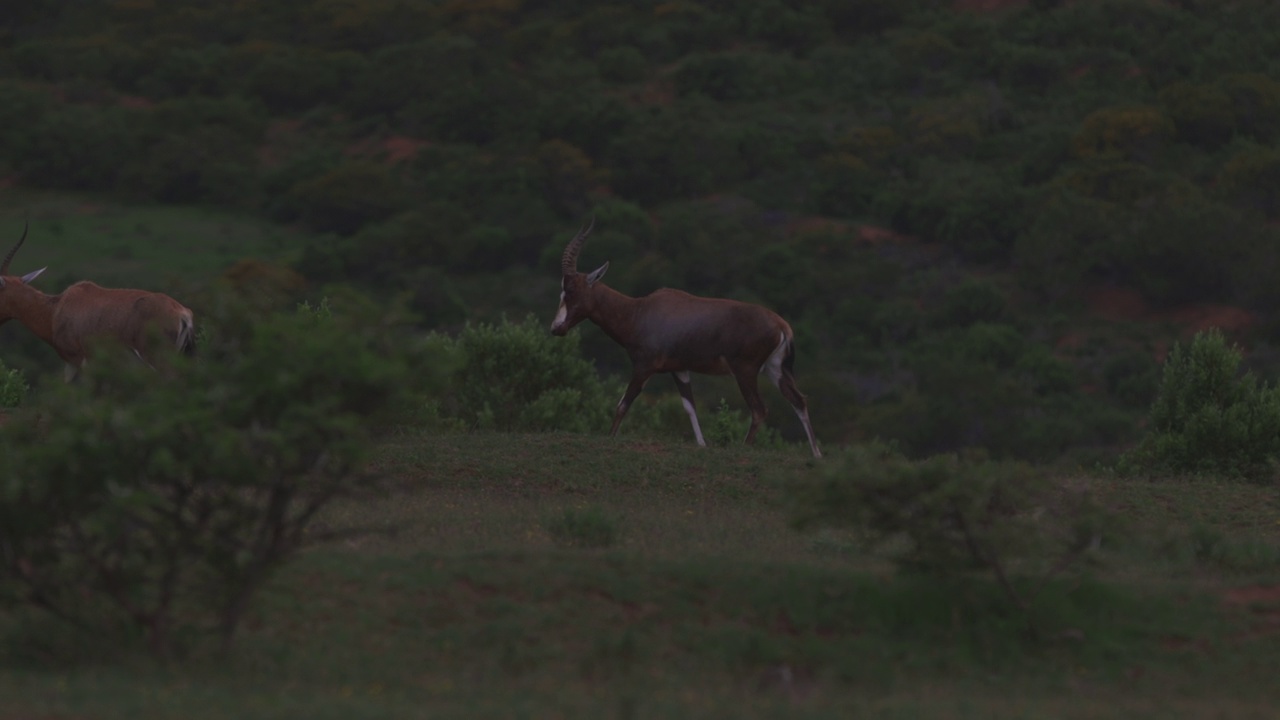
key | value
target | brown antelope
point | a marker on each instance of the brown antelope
(85, 313)
(673, 331)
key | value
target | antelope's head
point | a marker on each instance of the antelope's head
(7, 281)
(576, 298)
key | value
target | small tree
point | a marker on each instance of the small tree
(1207, 417)
(171, 497)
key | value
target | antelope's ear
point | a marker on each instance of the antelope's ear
(596, 274)
(33, 275)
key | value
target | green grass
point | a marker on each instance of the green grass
(451, 596)
(115, 244)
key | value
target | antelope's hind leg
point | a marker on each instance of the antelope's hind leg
(747, 384)
(787, 386)
(778, 368)
(686, 398)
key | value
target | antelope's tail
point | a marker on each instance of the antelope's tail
(186, 334)
(789, 352)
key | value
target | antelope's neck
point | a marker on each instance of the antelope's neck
(32, 308)
(615, 314)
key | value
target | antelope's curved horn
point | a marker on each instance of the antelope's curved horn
(569, 263)
(4, 267)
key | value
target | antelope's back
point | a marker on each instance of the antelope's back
(86, 310)
(706, 328)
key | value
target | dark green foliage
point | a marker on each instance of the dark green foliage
(973, 301)
(586, 528)
(1132, 377)
(444, 150)
(1202, 114)
(1209, 418)
(948, 516)
(517, 376)
(970, 208)
(347, 197)
(13, 387)
(1251, 179)
(167, 498)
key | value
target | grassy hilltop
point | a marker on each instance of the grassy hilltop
(563, 576)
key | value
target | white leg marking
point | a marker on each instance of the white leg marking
(808, 430)
(772, 367)
(693, 420)
(684, 376)
(144, 360)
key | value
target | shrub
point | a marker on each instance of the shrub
(517, 376)
(727, 426)
(169, 498)
(1251, 178)
(1255, 100)
(623, 64)
(1134, 132)
(949, 516)
(1207, 417)
(13, 387)
(1202, 114)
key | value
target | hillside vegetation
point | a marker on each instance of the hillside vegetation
(985, 227)
(1027, 248)
(557, 575)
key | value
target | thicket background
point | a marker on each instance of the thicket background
(986, 228)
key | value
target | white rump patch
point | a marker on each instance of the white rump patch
(772, 367)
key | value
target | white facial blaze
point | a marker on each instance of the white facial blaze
(560, 314)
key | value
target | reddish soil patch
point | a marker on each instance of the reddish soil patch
(1117, 304)
(136, 101)
(277, 136)
(1123, 304)
(656, 93)
(1263, 604)
(4, 418)
(393, 149)
(875, 235)
(812, 224)
(1255, 596)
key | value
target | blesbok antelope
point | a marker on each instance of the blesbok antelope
(72, 321)
(670, 331)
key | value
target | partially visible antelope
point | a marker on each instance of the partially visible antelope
(72, 321)
(670, 331)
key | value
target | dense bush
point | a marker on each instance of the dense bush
(168, 498)
(517, 376)
(1208, 417)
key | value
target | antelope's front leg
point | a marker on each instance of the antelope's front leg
(685, 387)
(633, 389)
